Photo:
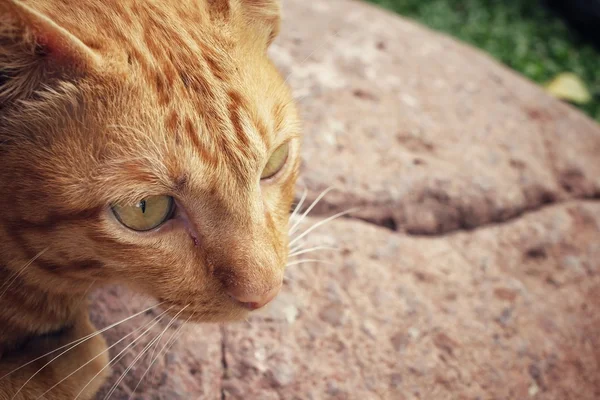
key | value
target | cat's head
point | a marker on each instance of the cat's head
(147, 143)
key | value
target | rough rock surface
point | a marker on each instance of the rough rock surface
(447, 138)
(506, 312)
(472, 270)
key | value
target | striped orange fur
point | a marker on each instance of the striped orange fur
(113, 101)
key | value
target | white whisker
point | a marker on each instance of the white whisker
(335, 34)
(314, 203)
(96, 356)
(309, 261)
(295, 249)
(162, 333)
(297, 253)
(122, 353)
(73, 344)
(18, 273)
(85, 293)
(299, 205)
(170, 342)
(320, 223)
(135, 360)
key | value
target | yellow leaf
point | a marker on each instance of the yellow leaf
(568, 86)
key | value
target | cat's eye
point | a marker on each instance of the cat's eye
(147, 214)
(276, 162)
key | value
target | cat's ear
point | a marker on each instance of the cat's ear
(266, 13)
(34, 50)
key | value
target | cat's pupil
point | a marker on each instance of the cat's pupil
(142, 205)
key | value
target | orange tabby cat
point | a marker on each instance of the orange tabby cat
(143, 142)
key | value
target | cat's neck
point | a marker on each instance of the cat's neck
(28, 311)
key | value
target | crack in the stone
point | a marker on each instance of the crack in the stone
(499, 222)
(392, 225)
(223, 361)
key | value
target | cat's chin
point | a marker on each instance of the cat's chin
(223, 314)
(218, 317)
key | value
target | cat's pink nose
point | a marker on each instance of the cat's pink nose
(255, 301)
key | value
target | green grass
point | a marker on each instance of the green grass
(520, 33)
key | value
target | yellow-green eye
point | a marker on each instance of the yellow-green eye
(148, 214)
(276, 162)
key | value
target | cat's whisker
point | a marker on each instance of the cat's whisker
(304, 261)
(184, 323)
(159, 317)
(312, 249)
(162, 334)
(18, 273)
(76, 343)
(180, 329)
(251, 319)
(321, 223)
(170, 342)
(85, 293)
(135, 360)
(124, 351)
(298, 99)
(322, 45)
(297, 208)
(309, 209)
(295, 249)
(287, 278)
